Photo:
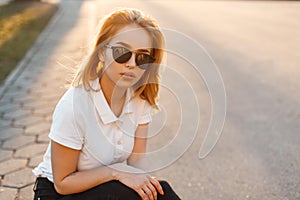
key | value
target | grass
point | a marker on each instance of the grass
(20, 25)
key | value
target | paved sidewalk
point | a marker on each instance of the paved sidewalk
(30, 93)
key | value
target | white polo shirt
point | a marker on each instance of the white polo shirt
(84, 121)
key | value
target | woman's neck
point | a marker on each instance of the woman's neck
(114, 95)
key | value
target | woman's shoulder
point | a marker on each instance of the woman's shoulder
(73, 92)
(72, 100)
(68, 97)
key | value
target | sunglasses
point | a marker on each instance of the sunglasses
(122, 55)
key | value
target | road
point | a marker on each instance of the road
(256, 47)
(253, 46)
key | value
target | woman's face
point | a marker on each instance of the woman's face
(126, 74)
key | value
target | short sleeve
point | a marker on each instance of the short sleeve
(63, 129)
(145, 114)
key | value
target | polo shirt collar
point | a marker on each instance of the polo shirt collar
(103, 108)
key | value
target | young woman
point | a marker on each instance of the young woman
(99, 129)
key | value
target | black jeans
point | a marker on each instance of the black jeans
(112, 190)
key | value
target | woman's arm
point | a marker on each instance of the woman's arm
(67, 179)
(137, 157)
(137, 160)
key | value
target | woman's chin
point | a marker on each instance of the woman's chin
(125, 82)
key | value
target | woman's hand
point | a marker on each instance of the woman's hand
(143, 184)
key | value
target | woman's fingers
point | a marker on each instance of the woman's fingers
(153, 190)
(142, 194)
(157, 185)
(144, 185)
(149, 191)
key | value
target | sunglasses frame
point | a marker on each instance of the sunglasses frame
(142, 65)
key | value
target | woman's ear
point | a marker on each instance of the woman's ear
(101, 55)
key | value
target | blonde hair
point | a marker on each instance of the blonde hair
(148, 86)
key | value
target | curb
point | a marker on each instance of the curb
(23, 64)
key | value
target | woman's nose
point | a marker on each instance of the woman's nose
(131, 61)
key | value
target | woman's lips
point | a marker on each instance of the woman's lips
(128, 75)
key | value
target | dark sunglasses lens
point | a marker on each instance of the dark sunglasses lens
(144, 60)
(121, 55)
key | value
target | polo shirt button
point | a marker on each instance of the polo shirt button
(119, 142)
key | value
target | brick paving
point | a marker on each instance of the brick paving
(30, 93)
